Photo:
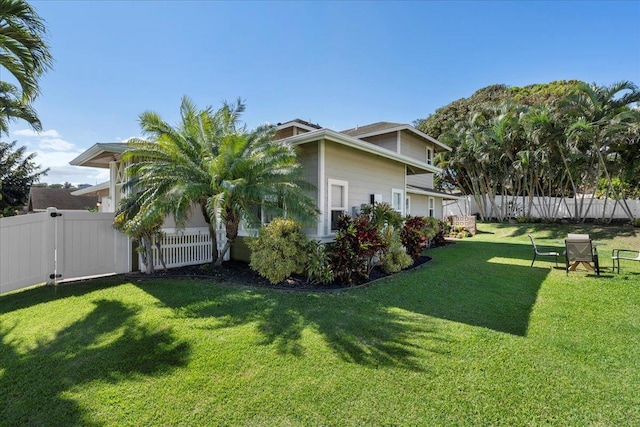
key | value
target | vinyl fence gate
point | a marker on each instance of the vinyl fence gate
(60, 245)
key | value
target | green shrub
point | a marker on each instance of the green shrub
(635, 222)
(395, 258)
(318, 264)
(443, 230)
(279, 250)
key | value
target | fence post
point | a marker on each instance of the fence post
(50, 259)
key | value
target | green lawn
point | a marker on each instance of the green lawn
(476, 337)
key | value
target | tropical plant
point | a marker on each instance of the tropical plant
(318, 265)
(17, 173)
(357, 243)
(395, 257)
(600, 115)
(24, 52)
(279, 250)
(210, 160)
(144, 227)
(416, 232)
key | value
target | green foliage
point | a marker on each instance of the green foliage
(635, 222)
(383, 215)
(210, 160)
(318, 264)
(416, 232)
(395, 257)
(280, 250)
(17, 173)
(357, 242)
(25, 56)
(439, 239)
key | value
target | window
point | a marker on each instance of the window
(338, 197)
(407, 205)
(432, 207)
(397, 200)
(429, 155)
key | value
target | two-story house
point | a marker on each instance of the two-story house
(382, 163)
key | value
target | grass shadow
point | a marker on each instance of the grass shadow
(34, 380)
(359, 329)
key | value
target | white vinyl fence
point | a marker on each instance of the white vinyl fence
(59, 245)
(180, 247)
(542, 206)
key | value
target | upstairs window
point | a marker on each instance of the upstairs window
(429, 155)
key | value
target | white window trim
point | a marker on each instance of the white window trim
(395, 191)
(345, 198)
(407, 205)
(431, 210)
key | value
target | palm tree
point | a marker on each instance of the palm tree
(600, 114)
(24, 53)
(212, 161)
(12, 107)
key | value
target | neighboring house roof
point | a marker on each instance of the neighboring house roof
(380, 128)
(430, 192)
(41, 198)
(414, 166)
(100, 154)
(304, 124)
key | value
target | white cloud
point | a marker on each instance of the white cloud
(51, 133)
(55, 144)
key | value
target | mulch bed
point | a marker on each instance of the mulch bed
(239, 272)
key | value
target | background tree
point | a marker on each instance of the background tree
(17, 173)
(24, 54)
(564, 139)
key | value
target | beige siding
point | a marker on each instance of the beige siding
(196, 219)
(413, 146)
(308, 158)
(388, 141)
(366, 174)
(420, 205)
(423, 180)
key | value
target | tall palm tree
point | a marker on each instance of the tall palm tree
(599, 116)
(24, 52)
(212, 161)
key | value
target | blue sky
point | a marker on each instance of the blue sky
(338, 64)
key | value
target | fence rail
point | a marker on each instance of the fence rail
(545, 207)
(180, 248)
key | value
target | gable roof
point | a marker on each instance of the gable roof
(414, 166)
(378, 127)
(99, 155)
(41, 198)
(381, 128)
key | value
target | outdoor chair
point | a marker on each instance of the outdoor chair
(572, 236)
(538, 252)
(581, 252)
(626, 254)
